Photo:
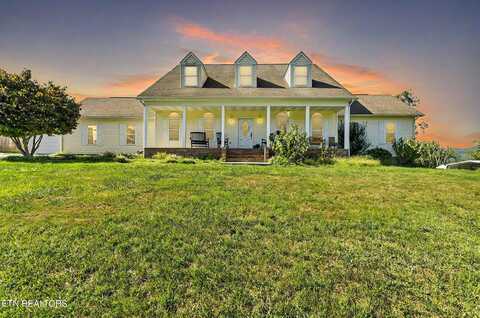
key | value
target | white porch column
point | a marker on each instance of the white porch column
(346, 135)
(154, 128)
(268, 126)
(307, 120)
(223, 127)
(184, 126)
(145, 126)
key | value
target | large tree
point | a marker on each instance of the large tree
(29, 110)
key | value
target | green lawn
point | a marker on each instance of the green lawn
(152, 239)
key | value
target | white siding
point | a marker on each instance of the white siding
(375, 127)
(108, 137)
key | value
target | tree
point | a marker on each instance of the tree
(358, 138)
(409, 98)
(29, 110)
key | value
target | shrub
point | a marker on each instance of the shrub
(476, 155)
(406, 151)
(422, 154)
(160, 156)
(279, 161)
(358, 138)
(290, 146)
(323, 155)
(121, 159)
(431, 155)
(380, 154)
(109, 155)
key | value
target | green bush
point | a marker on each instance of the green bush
(476, 155)
(406, 151)
(422, 154)
(290, 147)
(431, 155)
(322, 155)
(358, 138)
(121, 159)
(381, 154)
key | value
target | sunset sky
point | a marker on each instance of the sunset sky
(118, 48)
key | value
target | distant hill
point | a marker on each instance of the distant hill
(464, 153)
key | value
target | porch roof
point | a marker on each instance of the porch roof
(382, 105)
(270, 82)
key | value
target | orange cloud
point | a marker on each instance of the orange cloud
(196, 31)
(358, 79)
(215, 57)
(131, 84)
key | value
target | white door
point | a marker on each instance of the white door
(245, 133)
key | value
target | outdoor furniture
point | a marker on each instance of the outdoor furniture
(331, 142)
(218, 136)
(198, 139)
(316, 141)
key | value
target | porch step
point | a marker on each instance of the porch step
(244, 155)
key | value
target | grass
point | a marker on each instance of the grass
(153, 239)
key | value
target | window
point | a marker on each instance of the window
(209, 125)
(282, 121)
(300, 75)
(174, 127)
(390, 132)
(130, 135)
(245, 76)
(190, 76)
(92, 135)
(317, 126)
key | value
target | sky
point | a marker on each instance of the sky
(119, 48)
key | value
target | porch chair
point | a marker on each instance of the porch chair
(331, 142)
(218, 135)
(198, 139)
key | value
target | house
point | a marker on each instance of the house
(233, 106)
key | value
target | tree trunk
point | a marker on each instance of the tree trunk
(22, 144)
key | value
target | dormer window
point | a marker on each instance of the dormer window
(190, 74)
(300, 75)
(245, 76)
(193, 72)
(246, 71)
(299, 71)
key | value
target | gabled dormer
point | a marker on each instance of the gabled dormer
(245, 71)
(192, 71)
(299, 71)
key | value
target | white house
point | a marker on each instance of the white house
(234, 106)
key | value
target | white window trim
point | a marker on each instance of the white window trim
(88, 135)
(134, 135)
(294, 77)
(184, 76)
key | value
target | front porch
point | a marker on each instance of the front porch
(241, 129)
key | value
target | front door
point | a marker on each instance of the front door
(245, 133)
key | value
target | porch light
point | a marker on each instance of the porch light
(231, 121)
(260, 120)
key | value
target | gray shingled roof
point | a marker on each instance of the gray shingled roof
(117, 107)
(130, 107)
(382, 105)
(270, 82)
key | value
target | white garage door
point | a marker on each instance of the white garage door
(49, 145)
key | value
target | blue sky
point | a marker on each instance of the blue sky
(117, 48)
